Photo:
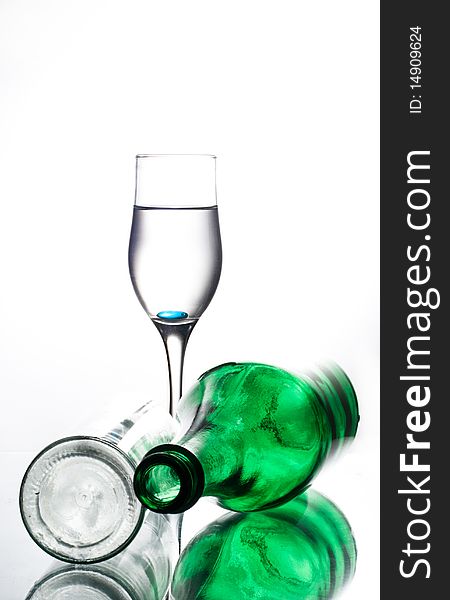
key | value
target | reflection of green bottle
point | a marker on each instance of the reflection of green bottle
(252, 435)
(303, 550)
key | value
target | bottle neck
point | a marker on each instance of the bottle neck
(338, 398)
(169, 479)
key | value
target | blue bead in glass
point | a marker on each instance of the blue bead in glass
(172, 315)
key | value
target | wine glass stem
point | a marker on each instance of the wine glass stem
(175, 338)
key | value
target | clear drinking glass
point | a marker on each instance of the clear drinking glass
(175, 252)
(142, 572)
(77, 499)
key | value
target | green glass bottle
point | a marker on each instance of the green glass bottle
(252, 435)
(303, 550)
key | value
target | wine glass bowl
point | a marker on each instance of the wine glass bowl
(175, 259)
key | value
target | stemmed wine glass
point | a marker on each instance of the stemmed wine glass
(175, 252)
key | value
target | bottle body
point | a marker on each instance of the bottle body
(252, 435)
(303, 550)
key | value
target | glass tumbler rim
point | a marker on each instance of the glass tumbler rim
(176, 155)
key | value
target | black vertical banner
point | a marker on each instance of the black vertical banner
(415, 242)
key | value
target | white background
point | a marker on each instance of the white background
(286, 94)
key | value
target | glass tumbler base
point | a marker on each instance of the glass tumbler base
(77, 500)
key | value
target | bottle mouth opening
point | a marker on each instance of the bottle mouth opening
(161, 485)
(169, 479)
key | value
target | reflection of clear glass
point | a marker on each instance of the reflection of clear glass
(141, 572)
(77, 500)
(175, 253)
(303, 550)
